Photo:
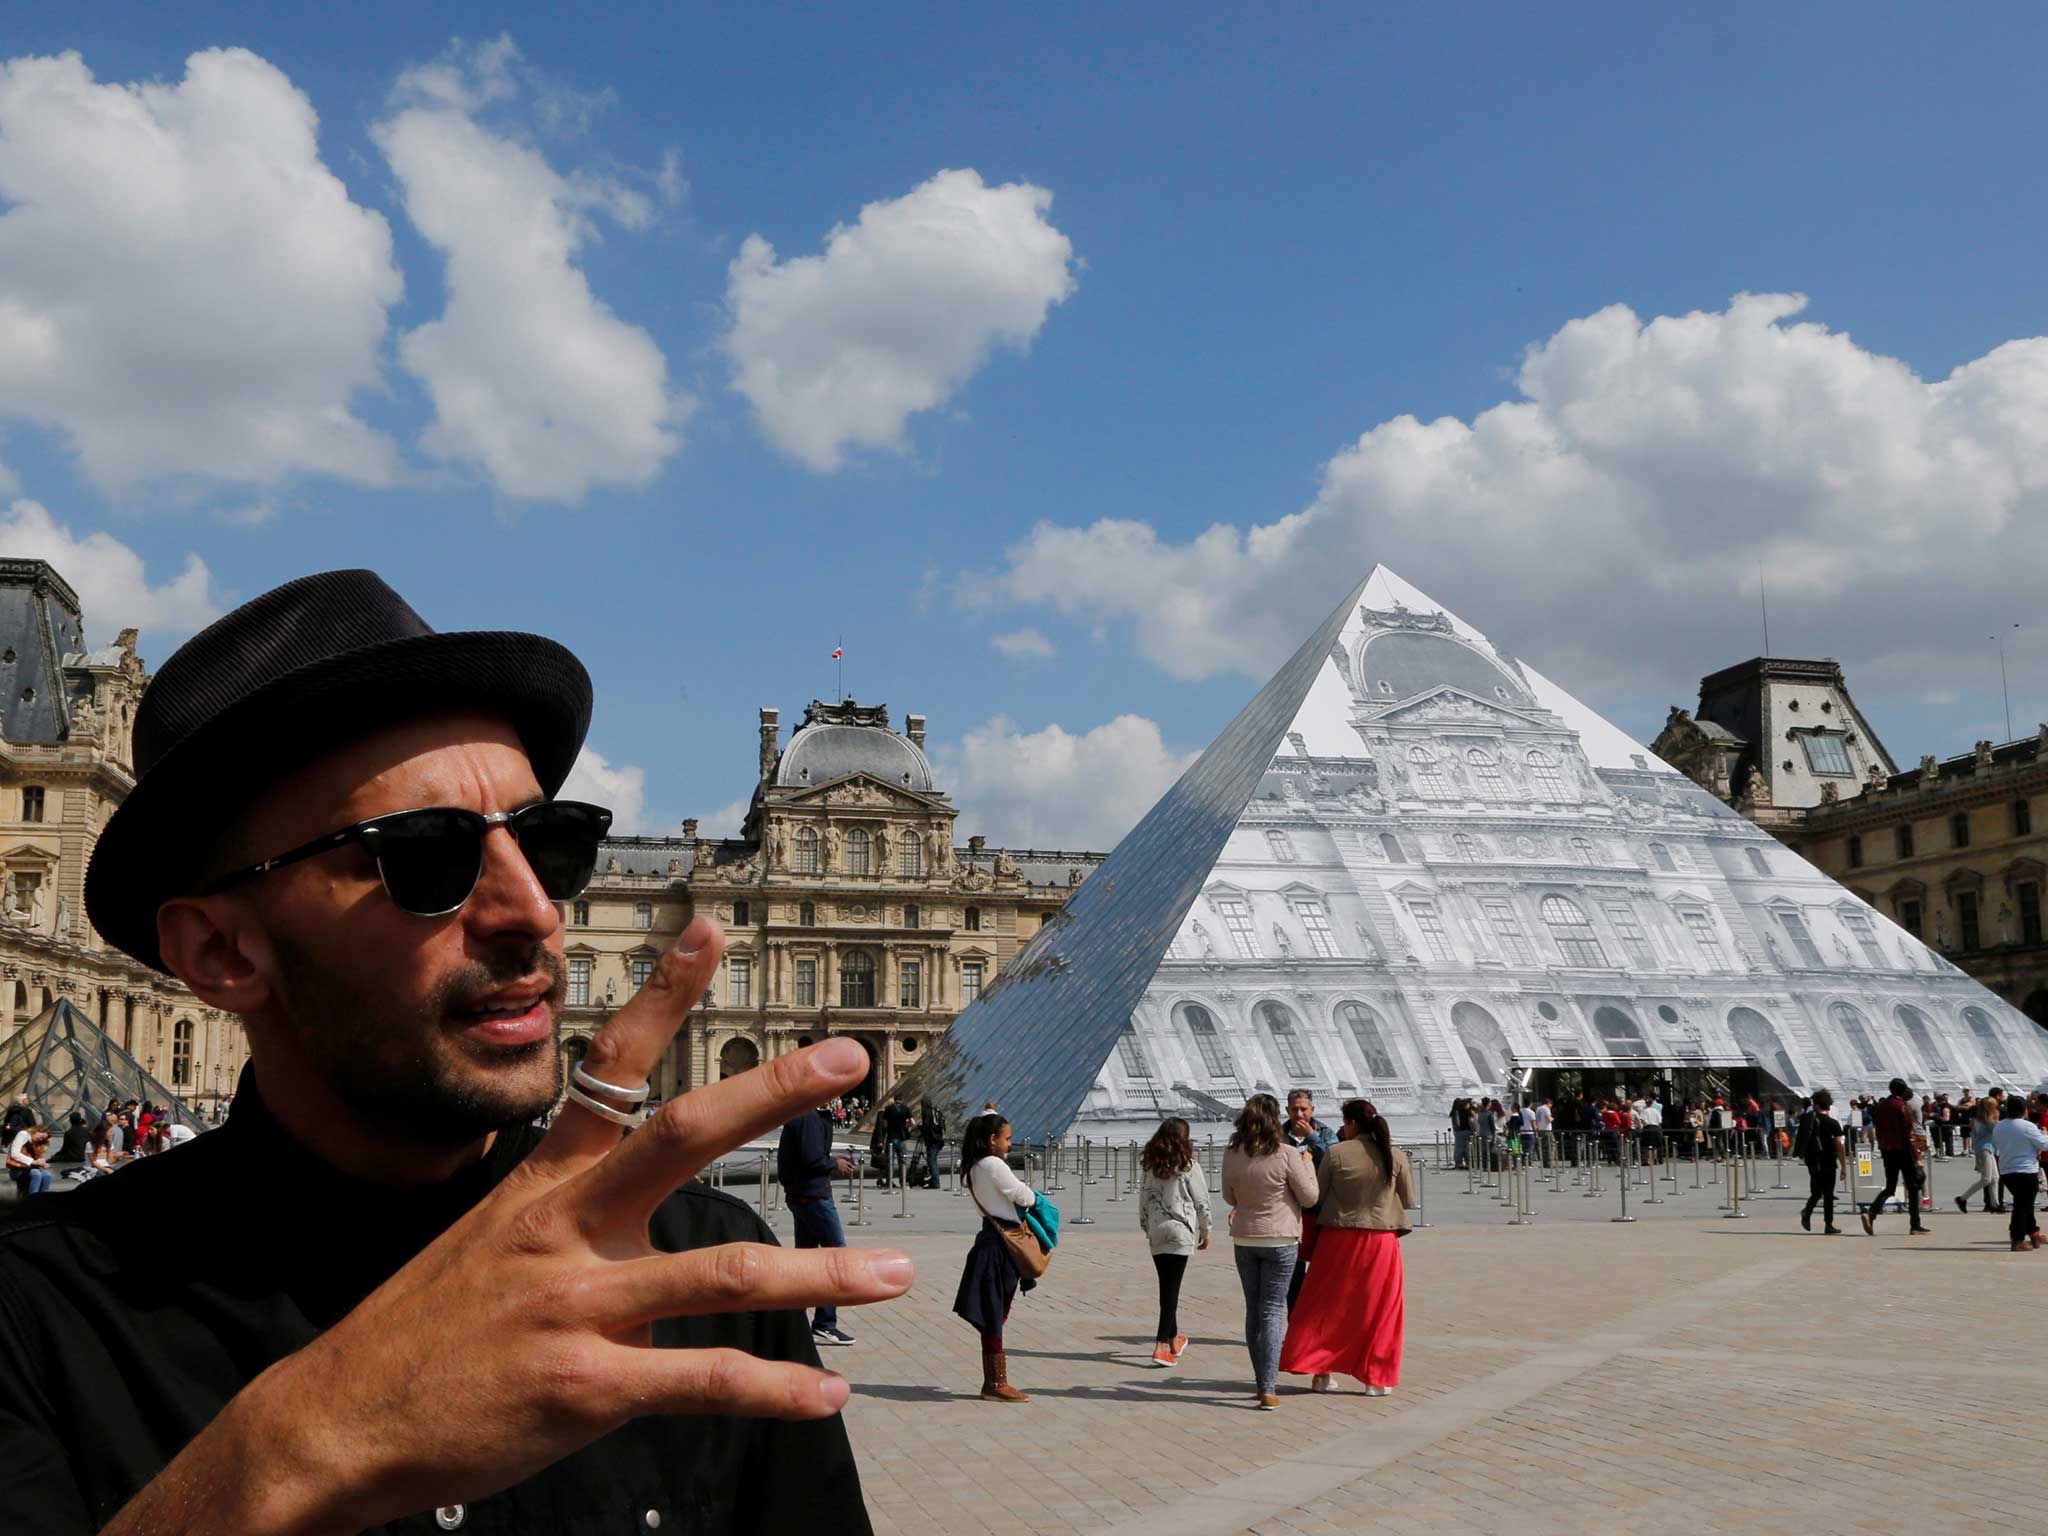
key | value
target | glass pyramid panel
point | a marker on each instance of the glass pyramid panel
(1444, 872)
(67, 1064)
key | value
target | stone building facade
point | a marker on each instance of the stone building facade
(849, 905)
(1954, 850)
(66, 761)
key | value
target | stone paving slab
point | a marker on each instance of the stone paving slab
(1687, 1369)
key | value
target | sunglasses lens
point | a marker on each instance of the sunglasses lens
(560, 841)
(430, 859)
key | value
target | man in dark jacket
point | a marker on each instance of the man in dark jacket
(895, 1124)
(1900, 1144)
(931, 1130)
(804, 1165)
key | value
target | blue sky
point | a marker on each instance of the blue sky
(1213, 258)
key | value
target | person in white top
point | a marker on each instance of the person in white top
(2018, 1142)
(28, 1160)
(988, 1283)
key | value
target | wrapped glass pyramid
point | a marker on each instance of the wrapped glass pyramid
(1414, 869)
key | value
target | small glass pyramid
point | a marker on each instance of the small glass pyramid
(1413, 869)
(67, 1065)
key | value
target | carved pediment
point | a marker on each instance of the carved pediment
(1455, 706)
(857, 791)
(28, 855)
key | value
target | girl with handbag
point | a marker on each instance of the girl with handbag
(988, 1283)
(1173, 1213)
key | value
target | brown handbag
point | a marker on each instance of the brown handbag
(1029, 1257)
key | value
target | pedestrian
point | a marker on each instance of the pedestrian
(19, 1117)
(1819, 1145)
(1303, 1130)
(1265, 1183)
(1173, 1213)
(1541, 1123)
(1983, 1124)
(2017, 1141)
(1461, 1131)
(1351, 1313)
(804, 1165)
(895, 1124)
(72, 1148)
(931, 1129)
(1486, 1126)
(1899, 1143)
(28, 1160)
(1944, 1125)
(989, 1280)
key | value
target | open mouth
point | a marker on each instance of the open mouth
(502, 1020)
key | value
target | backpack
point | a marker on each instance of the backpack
(1802, 1144)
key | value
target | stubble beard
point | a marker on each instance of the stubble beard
(398, 1065)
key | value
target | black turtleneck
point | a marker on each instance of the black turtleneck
(135, 1306)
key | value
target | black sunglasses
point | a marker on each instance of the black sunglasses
(430, 859)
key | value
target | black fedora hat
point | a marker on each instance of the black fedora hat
(287, 676)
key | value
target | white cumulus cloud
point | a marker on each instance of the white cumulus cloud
(901, 309)
(185, 289)
(621, 788)
(1610, 520)
(534, 380)
(1022, 645)
(1052, 788)
(112, 584)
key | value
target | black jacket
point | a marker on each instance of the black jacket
(803, 1158)
(134, 1307)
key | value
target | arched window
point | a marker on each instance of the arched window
(909, 854)
(1201, 1027)
(1915, 1024)
(857, 979)
(973, 920)
(1574, 935)
(181, 1054)
(857, 852)
(1281, 845)
(1390, 845)
(1480, 1033)
(1370, 1036)
(1486, 773)
(737, 1056)
(1465, 846)
(1757, 862)
(1663, 857)
(805, 859)
(1758, 1037)
(1543, 773)
(1624, 1037)
(1857, 1032)
(1428, 776)
(1288, 1045)
(1582, 850)
(1995, 1054)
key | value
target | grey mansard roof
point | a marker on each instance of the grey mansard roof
(39, 622)
(820, 753)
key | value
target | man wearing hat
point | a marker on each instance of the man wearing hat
(395, 1304)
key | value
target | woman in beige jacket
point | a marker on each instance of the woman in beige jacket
(1266, 1182)
(1349, 1316)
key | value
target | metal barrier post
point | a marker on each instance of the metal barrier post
(902, 1211)
(1469, 1163)
(1736, 1212)
(1518, 1184)
(1592, 1170)
(1115, 1179)
(1623, 1182)
(860, 1193)
(1421, 1195)
(1084, 1219)
(1653, 1198)
(761, 1198)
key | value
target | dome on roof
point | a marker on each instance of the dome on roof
(1402, 663)
(820, 753)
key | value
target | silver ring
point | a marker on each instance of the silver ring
(637, 1093)
(626, 1117)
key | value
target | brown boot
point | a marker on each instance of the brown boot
(995, 1380)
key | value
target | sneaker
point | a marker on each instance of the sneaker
(1379, 1391)
(1830, 1231)
(1162, 1354)
(1268, 1400)
(1869, 1224)
(1962, 1205)
(1180, 1345)
(1806, 1220)
(1918, 1231)
(1320, 1382)
(830, 1336)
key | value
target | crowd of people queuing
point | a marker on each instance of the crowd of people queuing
(122, 1131)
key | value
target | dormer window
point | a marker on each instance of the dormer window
(1826, 752)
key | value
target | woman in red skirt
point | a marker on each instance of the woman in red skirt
(1349, 1318)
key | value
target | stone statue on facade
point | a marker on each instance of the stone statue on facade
(778, 845)
(1280, 944)
(1756, 789)
(60, 925)
(1875, 778)
(1006, 867)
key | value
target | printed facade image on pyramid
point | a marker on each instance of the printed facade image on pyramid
(1441, 872)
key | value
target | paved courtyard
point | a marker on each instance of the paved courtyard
(1685, 1371)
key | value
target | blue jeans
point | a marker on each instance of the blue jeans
(1264, 1273)
(899, 1160)
(817, 1226)
(31, 1181)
